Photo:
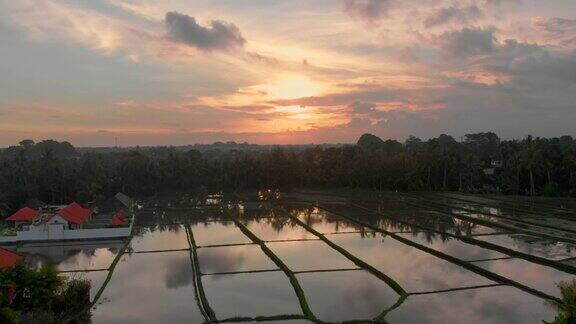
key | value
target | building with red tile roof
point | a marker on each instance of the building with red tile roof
(74, 213)
(25, 214)
(117, 219)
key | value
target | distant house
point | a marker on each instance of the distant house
(127, 201)
(71, 222)
(119, 202)
(74, 215)
(23, 217)
(117, 219)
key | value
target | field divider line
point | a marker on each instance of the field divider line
(491, 259)
(567, 259)
(351, 232)
(111, 269)
(70, 317)
(518, 209)
(84, 270)
(239, 272)
(491, 234)
(280, 264)
(200, 294)
(223, 245)
(274, 318)
(152, 225)
(328, 270)
(293, 240)
(491, 223)
(456, 289)
(393, 284)
(160, 251)
(469, 266)
(484, 244)
(367, 267)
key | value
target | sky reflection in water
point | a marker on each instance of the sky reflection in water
(148, 286)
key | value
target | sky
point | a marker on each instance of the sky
(179, 72)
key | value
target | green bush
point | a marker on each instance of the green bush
(566, 307)
(42, 296)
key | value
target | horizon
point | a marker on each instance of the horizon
(284, 73)
(402, 141)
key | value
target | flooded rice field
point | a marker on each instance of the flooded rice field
(329, 257)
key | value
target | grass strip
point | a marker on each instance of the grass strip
(328, 270)
(161, 251)
(521, 209)
(291, 240)
(469, 266)
(491, 259)
(239, 272)
(493, 224)
(483, 244)
(111, 271)
(201, 298)
(455, 289)
(350, 232)
(393, 284)
(280, 264)
(85, 270)
(223, 245)
(263, 318)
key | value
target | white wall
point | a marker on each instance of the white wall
(78, 234)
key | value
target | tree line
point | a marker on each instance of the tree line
(56, 172)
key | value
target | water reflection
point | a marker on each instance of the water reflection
(530, 274)
(414, 270)
(350, 295)
(498, 305)
(548, 249)
(309, 255)
(233, 258)
(251, 295)
(150, 288)
(158, 286)
(72, 255)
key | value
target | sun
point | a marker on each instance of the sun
(292, 87)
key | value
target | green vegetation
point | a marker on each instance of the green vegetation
(566, 307)
(41, 296)
(57, 173)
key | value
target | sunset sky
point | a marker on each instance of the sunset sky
(179, 72)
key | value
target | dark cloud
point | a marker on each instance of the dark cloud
(468, 42)
(218, 35)
(453, 14)
(367, 10)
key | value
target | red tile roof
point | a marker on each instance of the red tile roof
(8, 258)
(74, 213)
(118, 218)
(24, 214)
(121, 214)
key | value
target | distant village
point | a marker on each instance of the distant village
(37, 221)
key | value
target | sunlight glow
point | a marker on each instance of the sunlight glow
(292, 87)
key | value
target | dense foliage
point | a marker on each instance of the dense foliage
(56, 172)
(566, 307)
(41, 296)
